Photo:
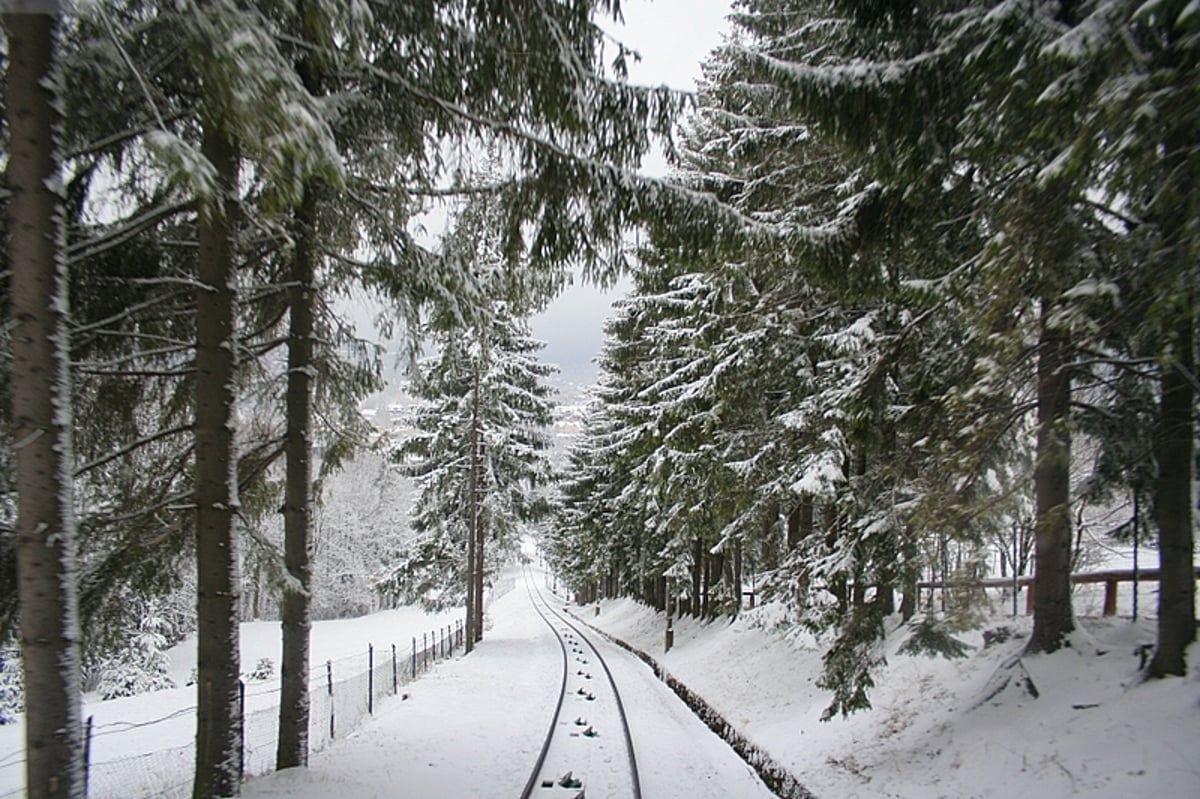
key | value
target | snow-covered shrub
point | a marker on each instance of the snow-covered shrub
(139, 667)
(930, 637)
(264, 669)
(999, 635)
(12, 685)
(967, 601)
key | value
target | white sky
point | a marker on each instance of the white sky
(672, 37)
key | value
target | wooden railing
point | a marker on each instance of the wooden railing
(1111, 579)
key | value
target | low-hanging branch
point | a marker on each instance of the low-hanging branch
(137, 335)
(107, 322)
(116, 236)
(138, 372)
(131, 447)
(132, 357)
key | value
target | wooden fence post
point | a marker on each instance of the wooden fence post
(370, 680)
(1110, 598)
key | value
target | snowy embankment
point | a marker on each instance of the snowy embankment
(1094, 730)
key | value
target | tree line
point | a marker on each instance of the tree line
(189, 190)
(961, 310)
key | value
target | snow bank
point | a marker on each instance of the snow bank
(1093, 730)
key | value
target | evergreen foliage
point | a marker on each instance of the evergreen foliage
(482, 427)
(946, 278)
(140, 663)
(915, 265)
(929, 637)
(12, 685)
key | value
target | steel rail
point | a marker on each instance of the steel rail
(633, 767)
(562, 692)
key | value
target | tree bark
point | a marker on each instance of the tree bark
(1173, 503)
(800, 522)
(1053, 617)
(473, 621)
(218, 723)
(296, 609)
(911, 571)
(41, 407)
(480, 522)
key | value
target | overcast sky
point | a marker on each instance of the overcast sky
(673, 37)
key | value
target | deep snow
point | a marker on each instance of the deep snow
(1095, 730)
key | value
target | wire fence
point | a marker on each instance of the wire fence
(341, 694)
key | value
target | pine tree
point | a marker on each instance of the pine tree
(1130, 70)
(246, 84)
(41, 407)
(479, 455)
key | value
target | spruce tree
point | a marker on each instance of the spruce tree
(1128, 71)
(478, 457)
(41, 406)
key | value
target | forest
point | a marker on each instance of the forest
(922, 279)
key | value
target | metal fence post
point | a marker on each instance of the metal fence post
(329, 683)
(242, 724)
(370, 680)
(395, 674)
(87, 754)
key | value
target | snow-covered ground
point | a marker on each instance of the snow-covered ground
(142, 745)
(474, 726)
(471, 727)
(1094, 730)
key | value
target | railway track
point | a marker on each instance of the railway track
(588, 750)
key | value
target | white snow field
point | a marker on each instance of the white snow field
(142, 746)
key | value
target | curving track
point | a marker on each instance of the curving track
(588, 749)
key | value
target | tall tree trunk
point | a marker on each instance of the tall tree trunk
(480, 521)
(1174, 501)
(218, 726)
(1053, 618)
(1174, 498)
(736, 576)
(800, 522)
(771, 539)
(480, 537)
(910, 573)
(296, 606)
(41, 407)
(473, 621)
